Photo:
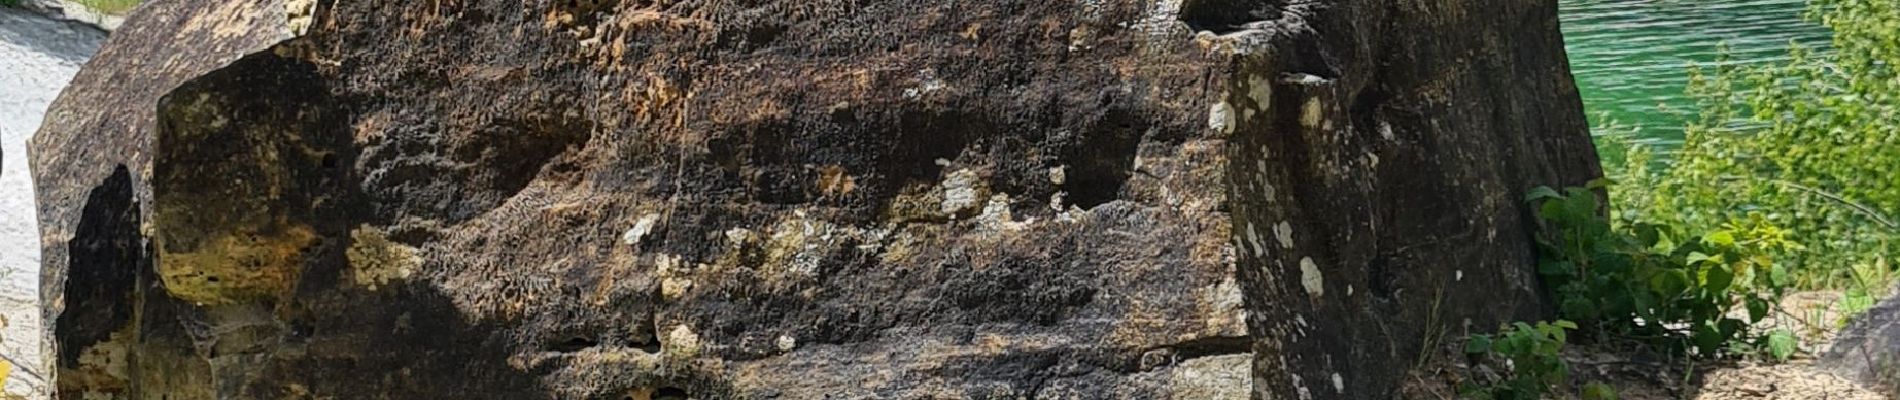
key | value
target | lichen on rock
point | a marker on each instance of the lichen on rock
(375, 261)
(236, 267)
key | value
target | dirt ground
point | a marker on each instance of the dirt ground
(1638, 375)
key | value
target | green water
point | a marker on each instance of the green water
(1631, 57)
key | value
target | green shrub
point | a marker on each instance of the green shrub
(1654, 282)
(1531, 359)
(1808, 145)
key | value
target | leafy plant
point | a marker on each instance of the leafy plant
(1598, 391)
(1869, 281)
(1653, 282)
(1780, 344)
(1808, 145)
(1532, 363)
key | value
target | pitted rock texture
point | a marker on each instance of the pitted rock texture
(813, 199)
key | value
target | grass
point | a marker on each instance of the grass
(114, 7)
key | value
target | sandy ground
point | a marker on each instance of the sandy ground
(38, 57)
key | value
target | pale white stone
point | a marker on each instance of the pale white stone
(1284, 233)
(1261, 90)
(787, 343)
(1311, 116)
(1220, 117)
(959, 191)
(640, 229)
(1310, 277)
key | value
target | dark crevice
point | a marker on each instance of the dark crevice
(1172, 354)
(1213, 346)
(671, 393)
(646, 341)
(1309, 59)
(518, 150)
(1227, 16)
(1101, 163)
(924, 137)
(1365, 110)
(1379, 277)
(573, 344)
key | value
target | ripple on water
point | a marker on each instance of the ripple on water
(1630, 56)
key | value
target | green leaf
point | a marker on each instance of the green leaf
(1578, 307)
(1556, 268)
(1598, 391)
(1542, 192)
(1781, 344)
(1778, 275)
(1648, 235)
(1566, 324)
(1707, 339)
(1720, 238)
(1731, 328)
(1757, 309)
(1669, 283)
(1479, 344)
(1855, 302)
(1554, 211)
(1718, 278)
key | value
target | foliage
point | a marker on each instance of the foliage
(1868, 282)
(1807, 146)
(1598, 391)
(1531, 356)
(114, 7)
(1654, 282)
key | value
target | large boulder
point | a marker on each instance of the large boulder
(611, 199)
(1867, 350)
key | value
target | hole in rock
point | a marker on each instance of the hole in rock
(574, 344)
(671, 393)
(1104, 161)
(1226, 16)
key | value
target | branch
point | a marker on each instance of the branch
(1870, 212)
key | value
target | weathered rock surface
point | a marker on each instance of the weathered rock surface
(1868, 349)
(810, 199)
